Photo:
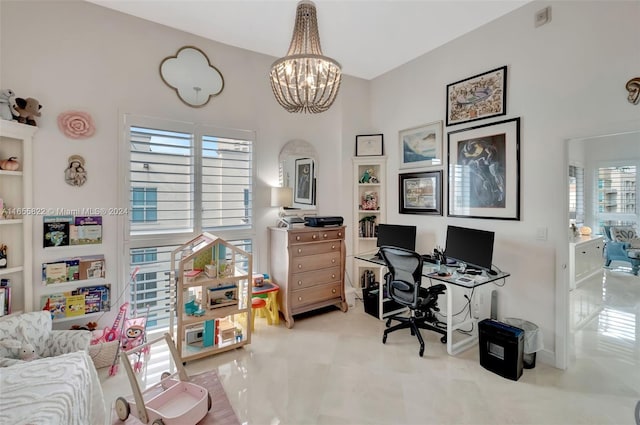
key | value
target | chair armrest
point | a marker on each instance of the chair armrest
(616, 248)
(68, 341)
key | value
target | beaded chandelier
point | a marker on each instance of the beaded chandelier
(305, 80)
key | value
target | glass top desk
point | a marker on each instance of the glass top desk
(452, 281)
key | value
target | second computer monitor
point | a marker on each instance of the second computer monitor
(473, 247)
(397, 235)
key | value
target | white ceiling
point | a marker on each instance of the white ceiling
(367, 37)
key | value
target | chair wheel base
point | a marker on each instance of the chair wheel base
(443, 340)
(384, 339)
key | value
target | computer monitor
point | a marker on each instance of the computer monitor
(397, 235)
(470, 246)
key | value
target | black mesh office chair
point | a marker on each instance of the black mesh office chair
(402, 283)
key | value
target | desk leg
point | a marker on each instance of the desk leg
(465, 343)
(449, 319)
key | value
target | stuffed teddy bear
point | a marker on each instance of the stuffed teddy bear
(28, 109)
(5, 104)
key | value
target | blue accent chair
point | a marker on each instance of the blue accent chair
(620, 250)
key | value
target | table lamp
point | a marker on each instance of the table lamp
(281, 197)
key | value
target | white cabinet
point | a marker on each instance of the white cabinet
(585, 259)
(369, 210)
(16, 229)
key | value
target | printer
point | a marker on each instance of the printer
(323, 221)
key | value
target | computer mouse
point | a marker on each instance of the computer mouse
(492, 272)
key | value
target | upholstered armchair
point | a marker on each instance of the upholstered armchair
(622, 244)
(37, 327)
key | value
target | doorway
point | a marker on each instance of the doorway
(603, 311)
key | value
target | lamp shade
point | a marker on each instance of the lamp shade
(281, 196)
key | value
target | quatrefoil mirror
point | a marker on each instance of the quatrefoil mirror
(192, 76)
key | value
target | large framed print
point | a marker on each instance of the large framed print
(421, 146)
(484, 171)
(369, 145)
(304, 188)
(421, 193)
(478, 97)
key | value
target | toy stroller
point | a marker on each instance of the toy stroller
(133, 335)
(172, 401)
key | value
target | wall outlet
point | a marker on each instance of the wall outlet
(541, 233)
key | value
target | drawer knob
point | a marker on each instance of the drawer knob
(333, 260)
(340, 234)
(314, 237)
(325, 235)
(299, 250)
(297, 238)
(333, 247)
(299, 298)
(333, 290)
(299, 283)
(333, 276)
(299, 266)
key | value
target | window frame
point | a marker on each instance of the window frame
(174, 238)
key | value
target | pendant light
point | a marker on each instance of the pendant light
(305, 80)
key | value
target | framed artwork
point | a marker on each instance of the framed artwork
(304, 179)
(484, 171)
(369, 145)
(478, 97)
(421, 146)
(421, 193)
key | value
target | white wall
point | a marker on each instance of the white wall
(565, 79)
(76, 55)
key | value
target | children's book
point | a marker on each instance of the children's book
(91, 267)
(56, 304)
(73, 269)
(7, 299)
(54, 273)
(92, 302)
(75, 305)
(86, 230)
(94, 293)
(56, 230)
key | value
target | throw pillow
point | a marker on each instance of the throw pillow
(623, 233)
(635, 243)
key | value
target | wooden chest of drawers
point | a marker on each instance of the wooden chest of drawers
(308, 264)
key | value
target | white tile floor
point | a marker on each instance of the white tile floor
(332, 368)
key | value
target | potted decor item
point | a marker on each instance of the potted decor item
(10, 164)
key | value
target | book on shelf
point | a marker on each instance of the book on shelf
(5, 288)
(56, 230)
(54, 273)
(72, 269)
(56, 304)
(78, 302)
(86, 230)
(75, 305)
(368, 227)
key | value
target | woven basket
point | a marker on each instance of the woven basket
(103, 354)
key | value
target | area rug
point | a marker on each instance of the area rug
(221, 412)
